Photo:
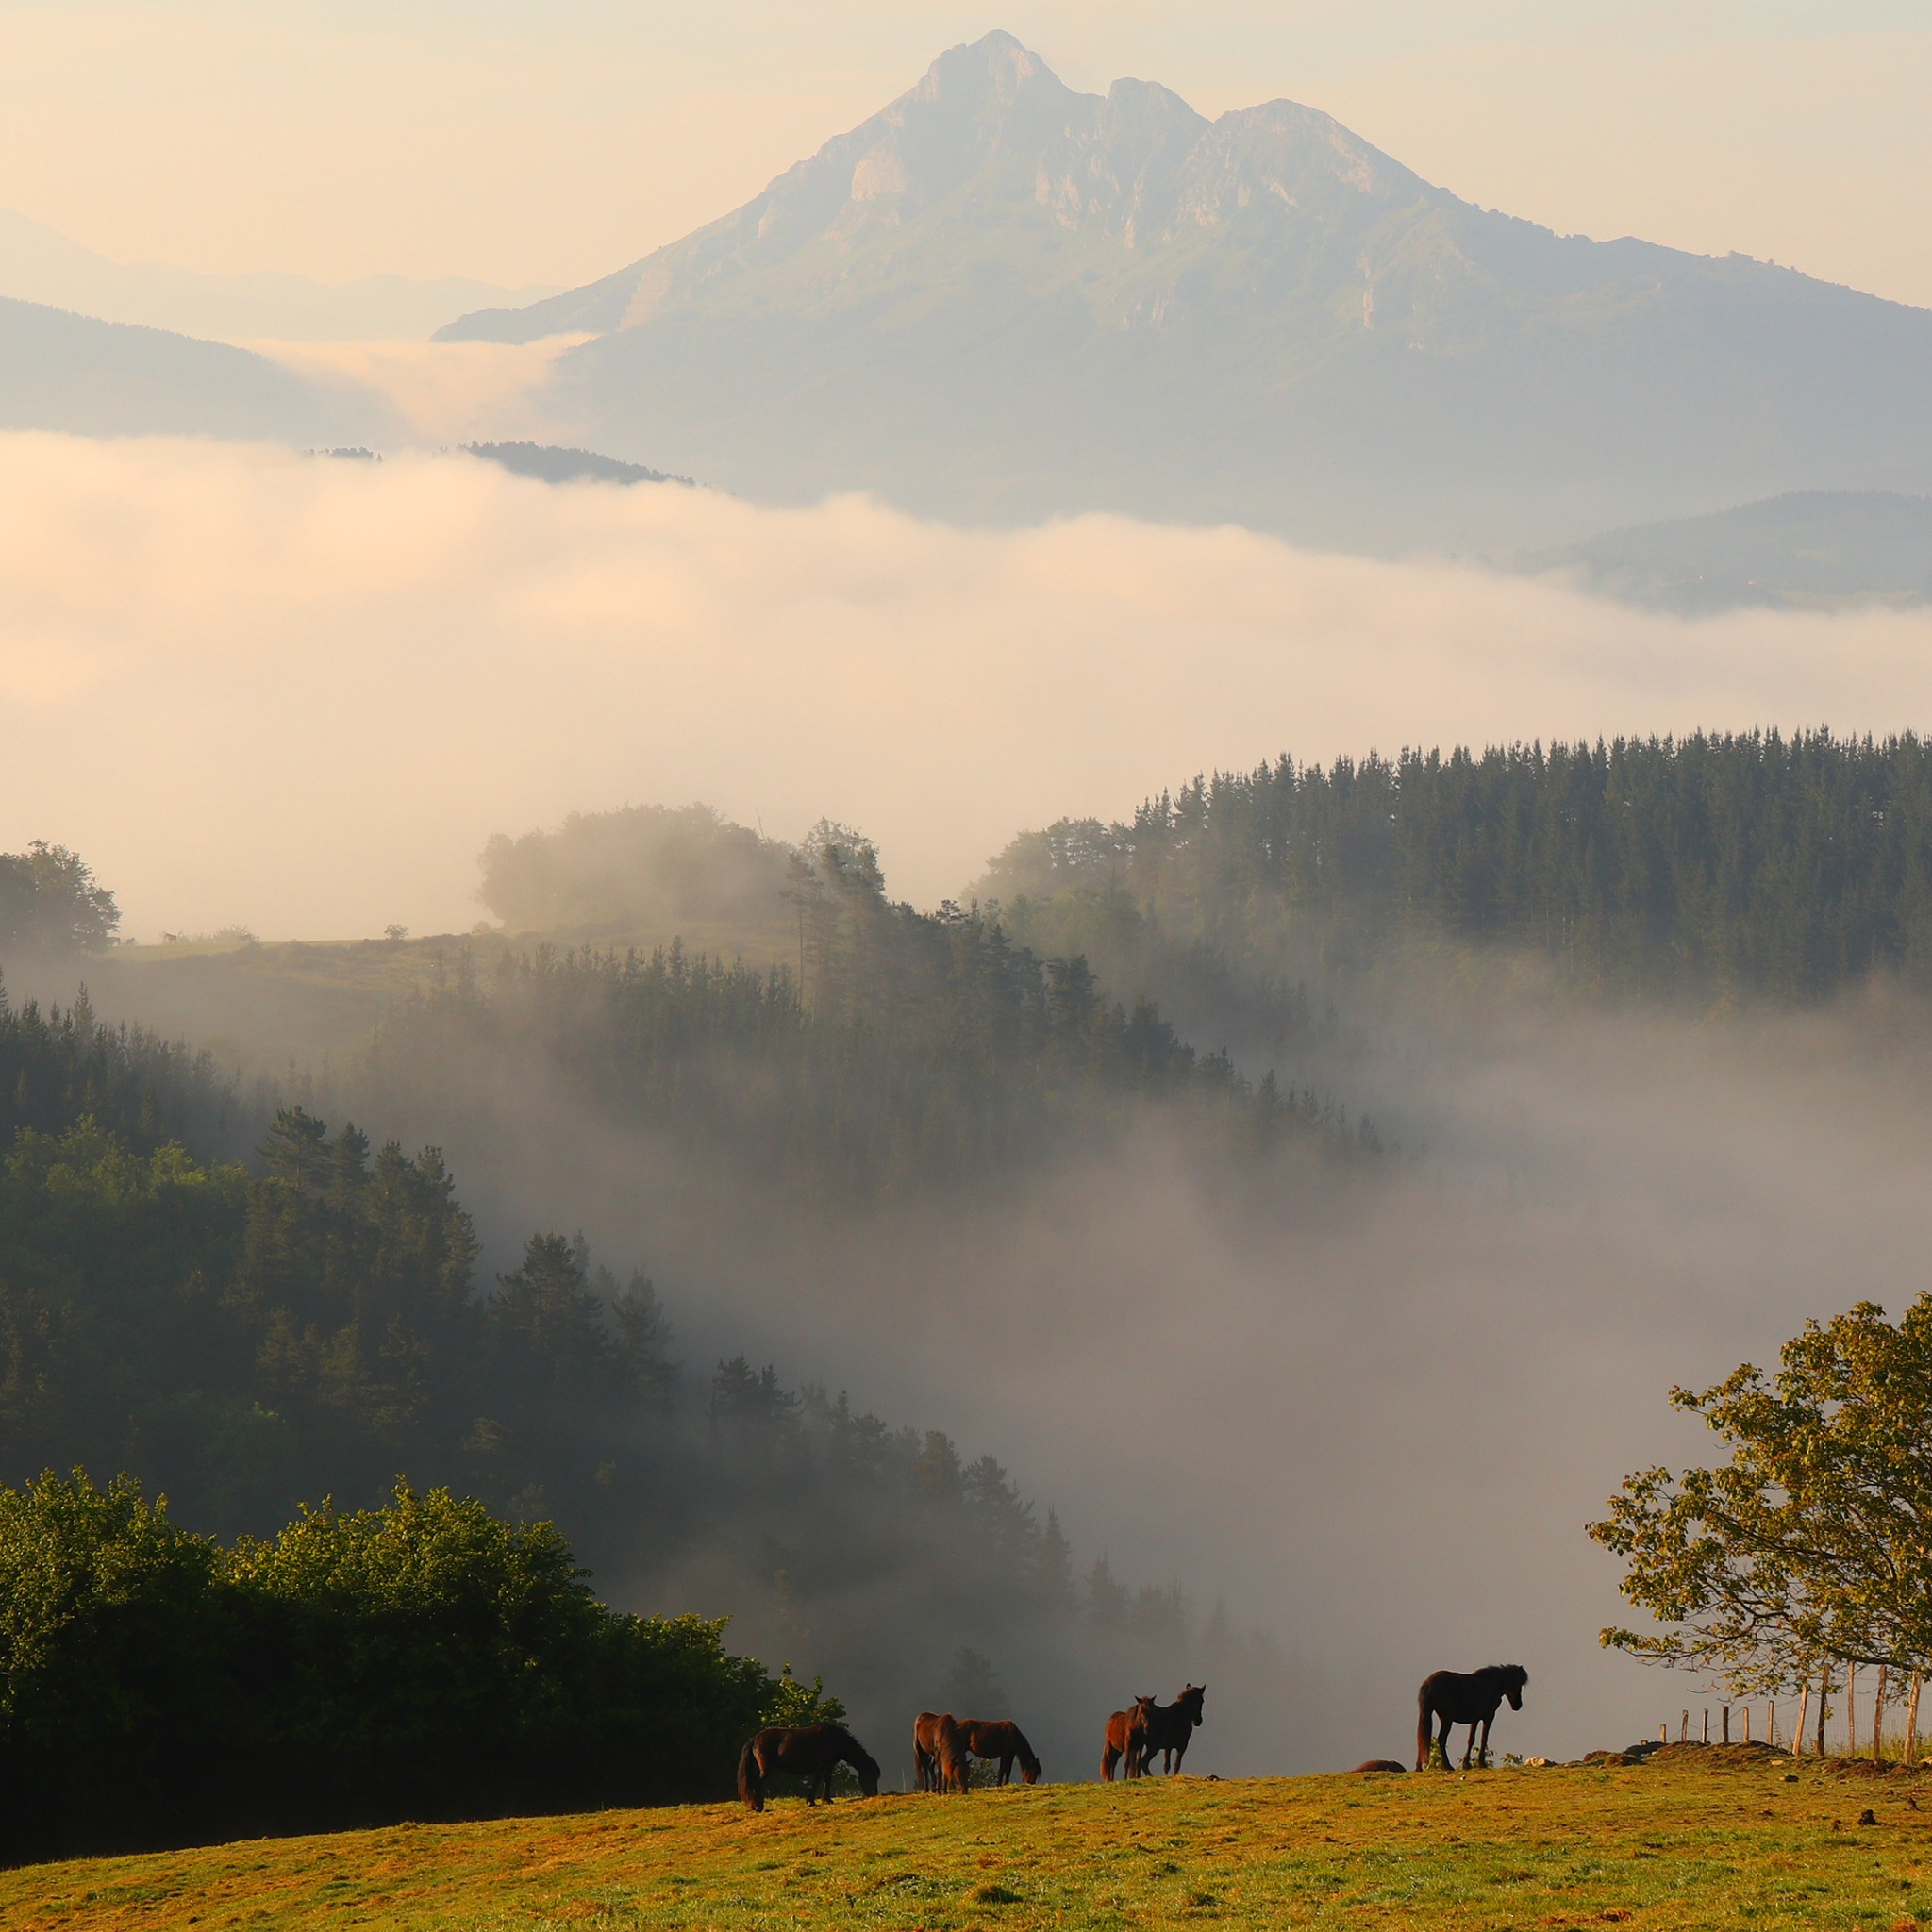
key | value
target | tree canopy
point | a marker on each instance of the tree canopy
(1814, 1541)
(51, 902)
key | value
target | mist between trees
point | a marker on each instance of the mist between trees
(1709, 866)
(245, 1343)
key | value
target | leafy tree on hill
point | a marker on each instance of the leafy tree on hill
(51, 902)
(1813, 1542)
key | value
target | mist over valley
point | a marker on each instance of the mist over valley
(1058, 916)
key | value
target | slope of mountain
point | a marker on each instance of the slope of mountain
(40, 264)
(1000, 299)
(87, 377)
(549, 464)
(1809, 547)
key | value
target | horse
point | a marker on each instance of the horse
(938, 1754)
(1465, 1697)
(1000, 1737)
(1168, 1728)
(1123, 1740)
(810, 1752)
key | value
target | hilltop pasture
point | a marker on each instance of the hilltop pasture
(1722, 1840)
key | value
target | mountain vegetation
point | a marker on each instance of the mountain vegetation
(420, 1659)
(1754, 863)
(901, 1051)
(552, 465)
(1809, 548)
(64, 372)
(1000, 299)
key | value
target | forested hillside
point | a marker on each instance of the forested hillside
(1756, 863)
(247, 1338)
(904, 1050)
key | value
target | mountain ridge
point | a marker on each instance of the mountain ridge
(998, 300)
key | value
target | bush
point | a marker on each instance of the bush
(420, 1660)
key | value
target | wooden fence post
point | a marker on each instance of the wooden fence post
(1684, 1729)
(1703, 1736)
(1878, 1720)
(1824, 1700)
(1724, 1720)
(1913, 1722)
(1747, 1724)
(1851, 1710)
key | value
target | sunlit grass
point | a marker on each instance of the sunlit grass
(1642, 1847)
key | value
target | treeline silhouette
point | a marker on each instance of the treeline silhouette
(244, 1338)
(1750, 862)
(904, 1049)
(420, 1660)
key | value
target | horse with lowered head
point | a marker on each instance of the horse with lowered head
(1000, 1737)
(808, 1752)
(938, 1753)
(1464, 1697)
(1168, 1728)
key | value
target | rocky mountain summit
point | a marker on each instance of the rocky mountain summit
(1000, 299)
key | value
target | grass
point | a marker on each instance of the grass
(1636, 1847)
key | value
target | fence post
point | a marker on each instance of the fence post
(1913, 1722)
(1724, 1720)
(1878, 1720)
(1824, 1699)
(1684, 1729)
(1747, 1724)
(1663, 1732)
(1851, 1710)
(1703, 1736)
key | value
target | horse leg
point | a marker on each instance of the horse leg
(1484, 1755)
(1468, 1749)
(1005, 1769)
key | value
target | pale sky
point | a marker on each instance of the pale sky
(552, 141)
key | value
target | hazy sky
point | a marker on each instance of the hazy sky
(529, 142)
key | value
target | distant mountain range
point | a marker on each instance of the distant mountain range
(1811, 547)
(1000, 300)
(40, 264)
(87, 377)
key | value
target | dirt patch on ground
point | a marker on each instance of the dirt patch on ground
(1713, 1757)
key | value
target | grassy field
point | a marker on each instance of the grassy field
(1660, 1845)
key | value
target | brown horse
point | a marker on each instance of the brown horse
(810, 1752)
(1123, 1730)
(1000, 1737)
(1465, 1697)
(938, 1754)
(1168, 1728)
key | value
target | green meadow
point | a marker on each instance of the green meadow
(1713, 1842)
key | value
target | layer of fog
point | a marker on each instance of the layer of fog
(259, 688)
(1371, 1408)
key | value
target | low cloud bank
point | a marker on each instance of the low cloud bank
(260, 687)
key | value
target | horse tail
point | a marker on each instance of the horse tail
(751, 1775)
(1423, 1726)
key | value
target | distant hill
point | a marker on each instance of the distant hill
(553, 465)
(40, 264)
(1812, 546)
(1000, 299)
(87, 377)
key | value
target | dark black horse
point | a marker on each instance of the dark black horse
(1164, 1728)
(809, 1752)
(1465, 1697)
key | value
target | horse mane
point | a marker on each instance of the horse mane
(1509, 1673)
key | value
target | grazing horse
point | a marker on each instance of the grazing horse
(1465, 1697)
(1123, 1730)
(938, 1754)
(1000, 1737)
(808, 1753)
(1168, 1728)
